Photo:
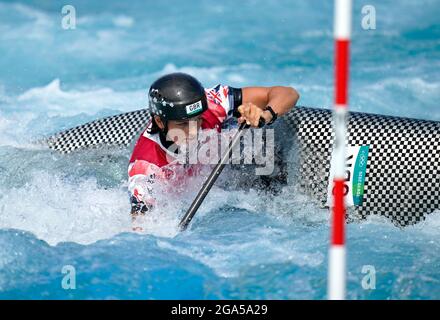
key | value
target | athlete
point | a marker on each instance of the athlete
(179, 103)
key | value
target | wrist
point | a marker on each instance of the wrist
(267, 116)
(272, 115)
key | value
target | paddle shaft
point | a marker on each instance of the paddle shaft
(210, 181)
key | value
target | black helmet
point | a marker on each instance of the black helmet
(177, 96)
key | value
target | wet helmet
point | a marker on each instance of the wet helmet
(177, 96)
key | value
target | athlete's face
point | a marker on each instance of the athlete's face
(182, 131)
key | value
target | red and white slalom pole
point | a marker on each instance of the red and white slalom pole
(337, 263)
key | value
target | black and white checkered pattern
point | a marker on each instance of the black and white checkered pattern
(116, 130)
(403, 170)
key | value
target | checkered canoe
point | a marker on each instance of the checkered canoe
(403, 170)
(118, 130)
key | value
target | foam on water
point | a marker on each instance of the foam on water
(57, 210)
(56, 101)
(60, 210)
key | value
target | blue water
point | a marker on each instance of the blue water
(72, 210)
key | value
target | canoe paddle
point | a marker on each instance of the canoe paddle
(189, 215)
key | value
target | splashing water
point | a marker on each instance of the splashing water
(58, 210)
